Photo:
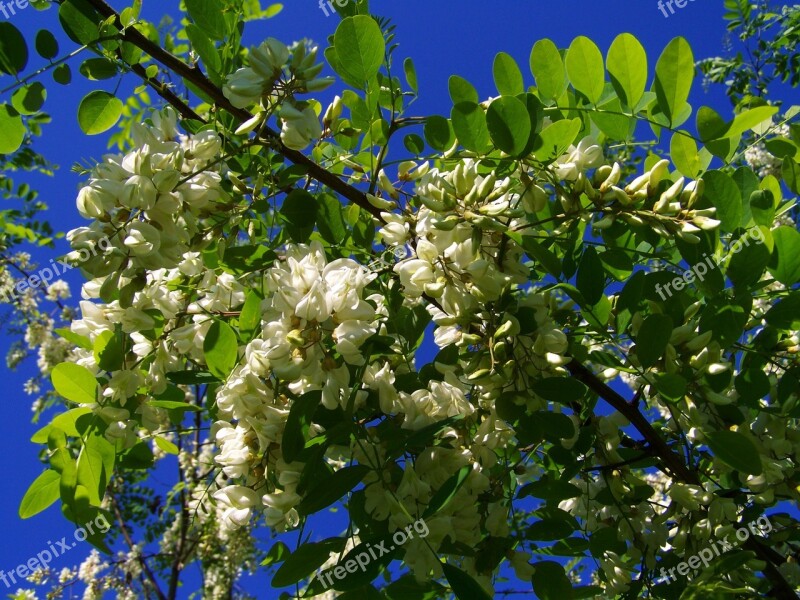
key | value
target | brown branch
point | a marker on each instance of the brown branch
(145, 567)
(672, 461)
(194, 75)
(675, 464)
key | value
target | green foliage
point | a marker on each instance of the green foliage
(592, 244)
(42, 494)
(75, 383)
(220, 348)
(98, 112)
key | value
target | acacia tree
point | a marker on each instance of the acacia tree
(615, 382)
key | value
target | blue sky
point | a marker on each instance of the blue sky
(443, 38)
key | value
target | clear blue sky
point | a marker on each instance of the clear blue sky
(443, 38)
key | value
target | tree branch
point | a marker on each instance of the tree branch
(199, 80)
(145, 567)
(675, 464)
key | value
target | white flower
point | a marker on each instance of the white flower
(349, 336)
(587, 155)
(143, 239)
(299, 128)
(238, 502)
(139, 192)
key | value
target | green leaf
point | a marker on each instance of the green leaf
(13, 49)
(28, 99)
(204, 47)
(683, 151)
(221, 349)
(548, 69)
(191, 377)
(748, 264)
(246, 259)
(332, 489)
(208, 16)
(550, 582)
(109, 350)
(66, 422)
(139, 456)
(276, 554)
(173, 405)
(299, 209)
(507, 75)
(762, 208)
(80, 21)
(539, 253)
(411, 74)
(360, 47)
(463, 585)
(330, 220)
(554, 140)
(563, 390)
(470, 126)
(167, 446)
(674, 77)
(75, 383)
(304, 561)
(12, 129)
(785, 314)
(736, 450)
(652, 339)
(670, 386)
(98, 112)
(591, 280)
(448, 491)
(723, 193)
(554, 524)
(786, 261)
(710, 125)
(42, 493)
(297, 423)
(250, 317)
(95, 466)
(615, 126)
(627, 66)
(749, 119)
(585, 68)
(548, 488)
(791, 174)
(97, 69)
(46, 44)
(62, 74)
(439, 133)
(509, 124)
(415, 144)
(461, 90)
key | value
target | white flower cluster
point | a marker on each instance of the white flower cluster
(321, 319)
(150, 202)
(274, 75)
(761, 160)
